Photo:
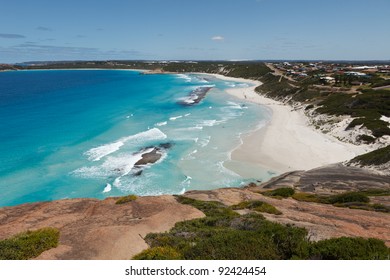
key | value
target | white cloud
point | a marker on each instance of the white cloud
(11, 36)
(217, 38)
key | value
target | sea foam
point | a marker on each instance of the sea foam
(107, 188)
(96, 154)
(175, 118)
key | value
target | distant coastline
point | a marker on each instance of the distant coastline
(283, 144)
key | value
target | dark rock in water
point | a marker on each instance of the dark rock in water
(138, 173)
(165, 145)
(195, 96)
(150, 157)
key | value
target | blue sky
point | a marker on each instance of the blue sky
(194, 29)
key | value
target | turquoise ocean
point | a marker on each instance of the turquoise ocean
(78, 133)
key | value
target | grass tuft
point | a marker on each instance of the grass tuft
(377, 157)
(353, 200)
(280, 193)
(126, 199)
(159, 253)
(29, 244)
(209, 208)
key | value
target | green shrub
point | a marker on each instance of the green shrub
(29, 244)
(349, 197)
(234, 245)
(258, 206)
(126, 199)
(348, 248)
(308, 107)
(159, 253)
(307, 197)
(244, 237)
(221, 235)
(380, 208)
(366, 138)
(280, 192)
(377, 157)
(376, 192)
(209, 208)
(353, 200)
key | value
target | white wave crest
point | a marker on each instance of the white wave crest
(234, 105)
(115, 166)
(188, 100)
(175, 118)
(211, 122)
(107, 188)
(192, 128)
(204, 141)
(161, 123)
(185, 184)
(185, 77)
(96, 154)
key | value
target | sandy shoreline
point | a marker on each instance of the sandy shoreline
(287, 142)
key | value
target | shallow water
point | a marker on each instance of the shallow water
(78, 133)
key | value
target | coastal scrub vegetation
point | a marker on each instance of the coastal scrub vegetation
(224, 234)
(279, 193)
(367, 109)
(276, 87)
(246, 70)
(209, 208)
(126, 199)
(347, 248)
(29, 244)
(258, 206)
(377, 157)
(353, 200)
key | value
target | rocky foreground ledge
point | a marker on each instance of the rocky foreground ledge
(102, 229)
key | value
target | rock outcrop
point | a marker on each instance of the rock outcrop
(101, 229)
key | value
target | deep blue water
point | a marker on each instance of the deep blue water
(78, 133)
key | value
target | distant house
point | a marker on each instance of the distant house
(328, 80)
(364, 67)
(357, 74)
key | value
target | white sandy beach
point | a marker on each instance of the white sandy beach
(287, 143)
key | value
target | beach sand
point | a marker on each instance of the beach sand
(287, 142)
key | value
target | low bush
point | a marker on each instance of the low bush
(159, 253)
(366, 139)
(280, 192)
(349, 197)
(376, 192)
(258, 206)
(209, 208)
(126, 199)
(348, 248)
(307, 197)
(29, 244)
(353, 200)
(377, 157)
